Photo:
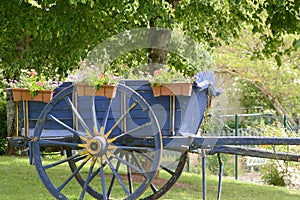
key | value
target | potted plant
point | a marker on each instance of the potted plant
(169, 82)
(92, 84)
(32, 87)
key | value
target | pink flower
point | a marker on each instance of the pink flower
(158, 72)
(40, 83)
(101, 76)
(33, 72)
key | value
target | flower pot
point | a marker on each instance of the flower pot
(172, 89)
(108, 91)
(22, 94)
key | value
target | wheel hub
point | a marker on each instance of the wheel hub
(97, 146)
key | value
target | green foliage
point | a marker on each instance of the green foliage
(168, 75)
(33, 81)
(263, 82)
(253, 96)
(3, 125)
(284, 89)
(188, 55)
(3, 145)
(271, 175)
(59, 34)
(271, 19)
(131, 64)
(209, 123)
(278, 172)
(66, 31)
(106, 78)
(213, 164)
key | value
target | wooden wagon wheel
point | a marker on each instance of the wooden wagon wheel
(164, 185)
(99, 157)
(159, 186)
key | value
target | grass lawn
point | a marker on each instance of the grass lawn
(19, 180)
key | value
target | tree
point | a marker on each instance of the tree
(263, 81)
(54, 36)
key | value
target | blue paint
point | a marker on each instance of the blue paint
(189, 111)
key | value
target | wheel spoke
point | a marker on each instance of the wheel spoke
(64, 125)
(88, 178)
(116, 174)
(104, 121)
(135, 148)
(74, 173)
(153, 188)
(121, 119)
(139, 128)
(171, 172)
(103, 181)
(161, 166)
(82, 154)
(137, 161)
(95, 173)
(128, 164)
(55, 142)
(113, 178)
(95, 122)
(61, 161)
(129, 174)
(131, 131)
(105, 118)
(82, 122)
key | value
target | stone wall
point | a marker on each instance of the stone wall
(12, 120)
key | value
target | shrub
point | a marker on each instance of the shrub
(3, 145)
(278, 172)
(272, 175)
(3, 126)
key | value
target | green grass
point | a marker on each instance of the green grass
(19, 180)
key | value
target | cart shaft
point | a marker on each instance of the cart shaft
(196, 142)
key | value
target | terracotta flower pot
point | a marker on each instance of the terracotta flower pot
(172, 89)
(108, 91)
(22, 94)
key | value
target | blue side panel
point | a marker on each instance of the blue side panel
(189, 111)
(160, 105)
(194, 112)
(60, 111)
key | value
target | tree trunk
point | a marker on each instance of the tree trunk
(11, 121)
(159, 41)
(158, 54)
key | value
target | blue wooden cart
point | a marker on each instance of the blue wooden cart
(117, 144)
